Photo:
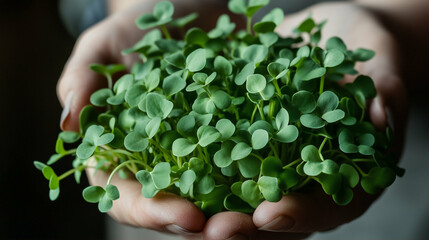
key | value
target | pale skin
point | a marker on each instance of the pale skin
(295, 216)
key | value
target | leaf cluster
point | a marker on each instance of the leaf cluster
(229, 118)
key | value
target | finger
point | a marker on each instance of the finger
(235, 225)
(100, 44)
(229, 225)
(165, 212)
(309, 212)
(77, 81)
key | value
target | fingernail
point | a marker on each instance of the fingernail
(179, 230)
(280, 224)
(66, 110)
(238, 237)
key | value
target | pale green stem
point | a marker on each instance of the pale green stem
(165, 31)
(322, 84)
(124, 164)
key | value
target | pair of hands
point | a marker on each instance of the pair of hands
(295, 216)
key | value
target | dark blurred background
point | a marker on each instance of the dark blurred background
(34, 47)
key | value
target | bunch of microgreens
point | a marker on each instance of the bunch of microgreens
(228, 119)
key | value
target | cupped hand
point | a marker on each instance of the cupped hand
(298, 215)
(295, 216)
(103, 44)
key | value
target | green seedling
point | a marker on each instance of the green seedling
(228, 119)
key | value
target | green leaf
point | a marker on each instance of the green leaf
(310, 154)
(183, 21)
(163, 11)
(287, 134)
(234, 203)
(255, 83)
(366, 150)
(331, 183)
(176, 59)
(107, 69)
(222, 66)
(312, 121)
(146, 43)
(158, 106)
(261, 124)
(53, 159)
(255, 53)
(196, 36)
(207, 135)
(186, 125)
(222, 158)
(377, 179)
(254, 6)
(249, 167)
(270, 188)
(205, 185)
(333, 58)
(54, 193)
(271, 166)
(350, 174)
(112, 192)
(136, 142)
(224, 27)
(105, 204)
(343, 197)
(251, 193)
(282, 119)
(152, 127)
(173, 84)
(39, 165)
(59, 147)
(99, 98)
(336, 43)
(362, 55)
(149, 189)
(309, 70)
(93, 194)
(54, 182)
(221, 99)
(276, 15)
(268, 39)
(247, 70)
(69, 136)
(304, 101)
(204, 104)
(260, 139)
(277, 70)
(288, 178)
(161, 175)
(226, 128)
(196, 61)
(333, 116)
(328, 101)
(306, 26)
(264, 27)
(85, 150)
(186, 181)
(183, 147)
(167, 138)
(240, 151)
(237, 6)
(366, 139)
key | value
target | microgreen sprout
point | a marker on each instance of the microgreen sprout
(229, 119)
